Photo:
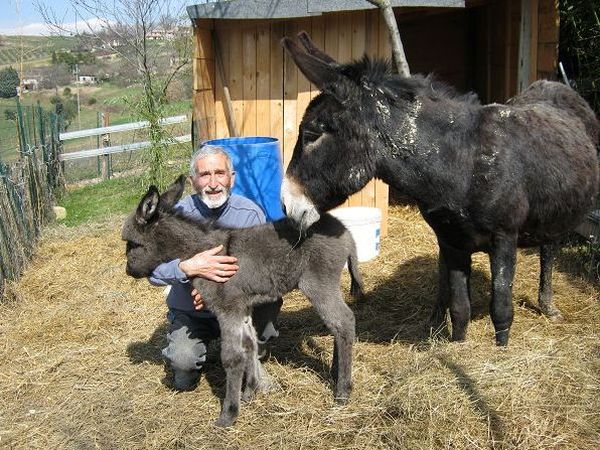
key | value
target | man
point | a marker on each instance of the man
(192, 325)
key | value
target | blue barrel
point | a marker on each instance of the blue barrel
(259, 171)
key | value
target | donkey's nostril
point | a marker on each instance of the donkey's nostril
(283, 208)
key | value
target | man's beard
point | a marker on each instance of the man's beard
(215, 201)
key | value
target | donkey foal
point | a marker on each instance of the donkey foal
(273, 259)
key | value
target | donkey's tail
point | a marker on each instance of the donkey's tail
(356, 285)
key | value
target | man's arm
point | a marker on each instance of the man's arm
(207, 264)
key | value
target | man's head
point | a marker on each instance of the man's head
(212, 175)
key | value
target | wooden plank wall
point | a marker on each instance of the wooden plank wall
(269, 94)
(547, 39)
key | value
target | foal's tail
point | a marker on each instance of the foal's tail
(356, 286)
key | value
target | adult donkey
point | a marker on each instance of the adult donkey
(486, 177)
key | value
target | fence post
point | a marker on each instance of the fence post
(21, 128)
(105, 143)
(98, 125)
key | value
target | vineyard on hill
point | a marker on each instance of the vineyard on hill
(36, 50)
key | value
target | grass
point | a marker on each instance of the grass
(112, 197)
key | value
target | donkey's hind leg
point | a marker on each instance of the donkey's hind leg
(234, 359)
(547, 258)
(339, 319)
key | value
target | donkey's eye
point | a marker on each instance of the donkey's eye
(308, 137)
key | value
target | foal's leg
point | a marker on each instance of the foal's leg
(458, 268)
(233, 358)
(502, 261)
(327, 299)
(252, 368)
(547, 257)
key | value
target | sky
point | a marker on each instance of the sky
(22, 16)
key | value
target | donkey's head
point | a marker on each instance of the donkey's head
(339, 133)
(143, 233)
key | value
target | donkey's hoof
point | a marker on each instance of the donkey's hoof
(553, 314)
(224, 422)
(502, 338)
(248, 395)
(459, 335)
(342, 399)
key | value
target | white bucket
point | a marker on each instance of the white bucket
(364, 224)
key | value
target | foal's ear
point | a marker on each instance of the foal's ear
(148, 207)
(172, 194)
(318, 71)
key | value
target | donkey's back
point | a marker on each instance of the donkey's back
(275, 257)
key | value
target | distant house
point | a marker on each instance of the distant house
(87, 79)
(30, 84)
(162, 34)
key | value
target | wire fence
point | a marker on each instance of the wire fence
(29, 180)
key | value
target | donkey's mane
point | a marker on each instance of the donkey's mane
(377, 74)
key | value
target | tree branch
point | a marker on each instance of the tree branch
(398, 55)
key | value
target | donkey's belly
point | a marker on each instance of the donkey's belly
(457, 230)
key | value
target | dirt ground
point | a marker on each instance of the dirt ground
(81, 368)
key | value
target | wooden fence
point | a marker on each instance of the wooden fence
(106, 150)
(27, 189)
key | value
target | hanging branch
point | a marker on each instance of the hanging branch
(398, 56)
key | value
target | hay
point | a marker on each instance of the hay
(81, 366)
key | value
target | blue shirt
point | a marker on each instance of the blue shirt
(236, 212)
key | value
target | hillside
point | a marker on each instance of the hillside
(36, 50)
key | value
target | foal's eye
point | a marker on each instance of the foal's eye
(131, 245)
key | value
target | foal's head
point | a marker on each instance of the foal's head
(144, 233)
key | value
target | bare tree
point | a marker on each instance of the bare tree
(398, 55)
(136, 31)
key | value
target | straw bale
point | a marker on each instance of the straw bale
(80, 363)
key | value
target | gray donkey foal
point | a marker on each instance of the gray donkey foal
(273, 259)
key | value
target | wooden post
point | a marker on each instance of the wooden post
(105, 143)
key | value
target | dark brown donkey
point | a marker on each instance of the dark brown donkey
(486, 178)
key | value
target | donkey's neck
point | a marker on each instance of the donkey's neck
(428, 150)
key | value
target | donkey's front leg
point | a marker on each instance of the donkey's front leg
(458, 271)
(547, 257)
(233, 358)
(437, 320)
(502, 261)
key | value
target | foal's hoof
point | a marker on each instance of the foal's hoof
(553, 314)
(224, 422)
(342, 400)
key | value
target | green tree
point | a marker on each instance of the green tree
(126, 25)
(9, 81)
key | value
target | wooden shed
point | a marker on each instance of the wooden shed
(492, 47)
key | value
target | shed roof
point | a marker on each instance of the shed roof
(282, 9)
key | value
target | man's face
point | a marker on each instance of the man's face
(213, 180)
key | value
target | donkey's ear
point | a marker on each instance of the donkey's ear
(318, 71)
(311, 48)
(148, 207)
(172, 194)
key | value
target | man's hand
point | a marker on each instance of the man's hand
(198, 302)
(210, 266)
